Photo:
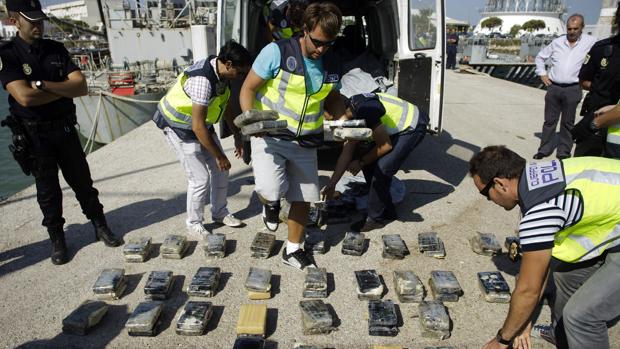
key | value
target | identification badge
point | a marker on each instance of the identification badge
(27, 69)
(543, 173)
(604, 62)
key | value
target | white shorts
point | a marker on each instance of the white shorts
(284, 169)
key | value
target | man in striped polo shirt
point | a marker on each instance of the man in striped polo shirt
(570, 226)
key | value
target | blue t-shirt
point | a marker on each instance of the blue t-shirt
(267, 65)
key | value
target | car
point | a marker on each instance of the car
(400, 41)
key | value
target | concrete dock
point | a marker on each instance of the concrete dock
(142, 187)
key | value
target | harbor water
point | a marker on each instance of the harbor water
(12, 179)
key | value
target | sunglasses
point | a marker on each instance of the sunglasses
(319, 43)
(485, 190)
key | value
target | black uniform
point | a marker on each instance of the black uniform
(602, 67)
(50, 131)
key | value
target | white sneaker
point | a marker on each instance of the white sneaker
(197, 230)
(229, 220)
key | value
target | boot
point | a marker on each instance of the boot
(102, 232)
(59, 248)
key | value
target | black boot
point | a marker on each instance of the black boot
(59, 248)
(102, 232)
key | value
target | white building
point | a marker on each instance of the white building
(517, 12)
(605, 20)
(79, 10)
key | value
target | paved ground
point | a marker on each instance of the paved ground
(143, 189)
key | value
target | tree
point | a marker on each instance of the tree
(534, 25)
(514, 31)
(491, 22)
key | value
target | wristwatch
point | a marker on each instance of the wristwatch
(40, 85)
(501, 340)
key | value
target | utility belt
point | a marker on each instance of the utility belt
(51, 125)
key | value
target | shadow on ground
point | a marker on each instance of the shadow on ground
(99, 337)
(122, 220)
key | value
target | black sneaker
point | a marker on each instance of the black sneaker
(298, 259)
(271, 217)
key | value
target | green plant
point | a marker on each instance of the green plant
(491, 22)
(534, 24)
(514, 31)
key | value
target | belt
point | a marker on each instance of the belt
(565, 85)
(47, 125)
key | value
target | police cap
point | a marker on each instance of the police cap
(29, 9)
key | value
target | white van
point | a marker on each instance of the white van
(400, 43)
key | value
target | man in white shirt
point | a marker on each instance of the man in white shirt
(565, 55)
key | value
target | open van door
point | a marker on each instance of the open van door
(421, 49)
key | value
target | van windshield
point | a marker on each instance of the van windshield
(422, 27)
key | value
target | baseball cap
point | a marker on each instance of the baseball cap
(30, 9)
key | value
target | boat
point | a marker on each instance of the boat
(149, 44)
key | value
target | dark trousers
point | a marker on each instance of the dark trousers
(380, 173)
(451, 61)
(54, 148)
(559, 101)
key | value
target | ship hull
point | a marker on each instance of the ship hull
(116, 116)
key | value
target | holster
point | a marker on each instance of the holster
(20, 147)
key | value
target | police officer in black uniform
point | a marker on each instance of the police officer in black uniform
(41, 81)
(600, 74)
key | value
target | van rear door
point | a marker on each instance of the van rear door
(421, 50)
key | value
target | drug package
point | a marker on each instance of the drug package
(84, 317)
(110, 284)
(137, 250)
(205, 282)
(408, 286)
(369, 285)
(445, 286)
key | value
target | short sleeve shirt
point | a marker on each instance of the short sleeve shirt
(267, 66)
(45, 60)
(198, 88)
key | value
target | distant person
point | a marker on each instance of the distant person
(566, 55)
(600, 74)
(452, 41)
(299, 78)
(398, 127)
(569, 232)
(186, 114)
(42, 81)
(284, 18)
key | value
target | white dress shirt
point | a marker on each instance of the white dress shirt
(565, 60)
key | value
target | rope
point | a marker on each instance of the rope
(91, 138)
(126, 99)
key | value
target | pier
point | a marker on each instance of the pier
(142, 186)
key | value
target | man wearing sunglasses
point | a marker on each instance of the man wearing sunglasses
(570, 228)
(299, 79)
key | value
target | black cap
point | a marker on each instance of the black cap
(364, 103)
(30, 9)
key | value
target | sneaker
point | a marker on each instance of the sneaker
(197, 230)
(543, 332)
(230, 221)
(271, 221)
(298, 259)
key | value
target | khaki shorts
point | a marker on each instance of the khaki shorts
(284, 169)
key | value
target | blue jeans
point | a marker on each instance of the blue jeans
(379, 174)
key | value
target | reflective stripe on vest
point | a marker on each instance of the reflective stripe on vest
(286, 94)
(598, 181)
(176, 106)
(399, 114)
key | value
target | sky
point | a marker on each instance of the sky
(469, 10)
